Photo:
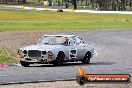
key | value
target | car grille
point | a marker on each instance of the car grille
(34, 53)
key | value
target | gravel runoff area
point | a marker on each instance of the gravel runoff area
(15, 40)
(66, 84)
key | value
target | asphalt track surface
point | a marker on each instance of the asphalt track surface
(113, 56)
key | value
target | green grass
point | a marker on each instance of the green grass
(11, 20)
(6, 57)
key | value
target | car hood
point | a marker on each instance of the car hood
(41, 47)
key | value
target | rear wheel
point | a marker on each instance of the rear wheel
(86, 58)
(25, 64)
(59, 59)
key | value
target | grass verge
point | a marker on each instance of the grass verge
(12, 20)
(23, 26)
(7, 57)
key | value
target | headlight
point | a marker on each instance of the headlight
(25, 52)
(21, 54)
(49, 53)
(43, 52)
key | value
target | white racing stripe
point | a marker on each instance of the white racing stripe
(72, 10)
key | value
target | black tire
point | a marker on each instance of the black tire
(25, 64)
(86, 58)
(59, 59)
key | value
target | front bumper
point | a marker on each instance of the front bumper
(37, 60)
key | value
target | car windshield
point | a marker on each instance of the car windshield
(53, 40)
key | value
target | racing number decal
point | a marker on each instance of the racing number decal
(72, 54)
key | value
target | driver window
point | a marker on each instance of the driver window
(71, 41)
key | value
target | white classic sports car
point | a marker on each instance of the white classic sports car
(56, 49)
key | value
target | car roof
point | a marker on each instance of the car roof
(62, 35)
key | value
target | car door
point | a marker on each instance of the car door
(72, 49)
(81, 48)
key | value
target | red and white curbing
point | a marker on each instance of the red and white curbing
(3, 66)
(72, 10)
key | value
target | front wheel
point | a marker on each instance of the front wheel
(86, 58)
(59, 59)
(25, 64)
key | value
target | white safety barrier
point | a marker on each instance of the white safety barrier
(105, 12)
(72, 10)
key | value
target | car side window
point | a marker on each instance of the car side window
(78, 40)
(71, 41)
